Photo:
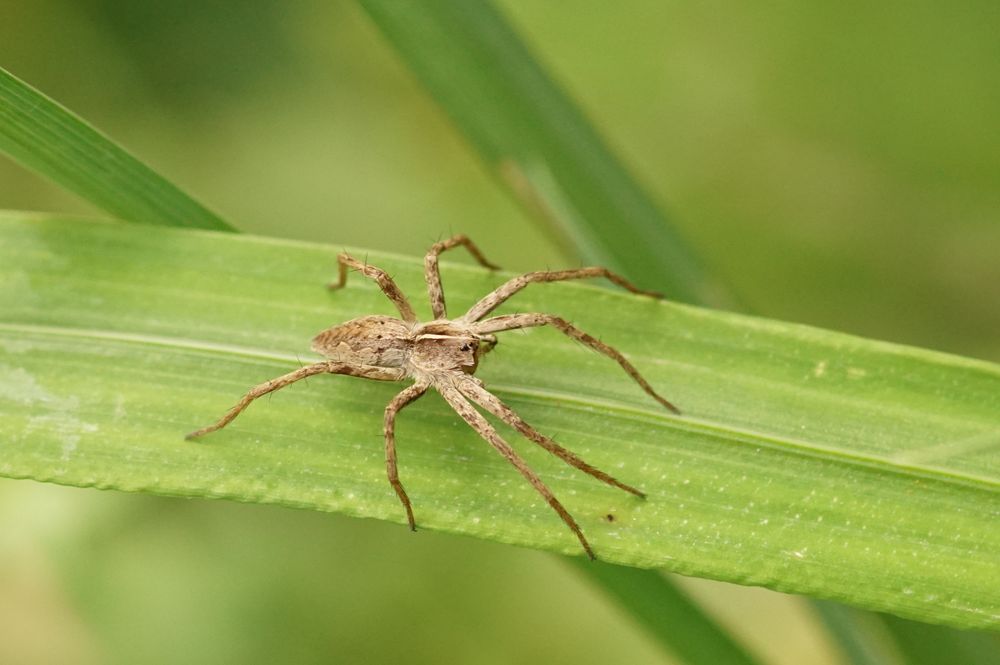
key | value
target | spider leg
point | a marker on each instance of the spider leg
(378, 373)
(433, 277)
(476, 420)
(408, 395)
(515, 321)
(380, 277)
(474, 390)
(493, 300)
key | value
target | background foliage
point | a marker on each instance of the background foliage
(837, 165)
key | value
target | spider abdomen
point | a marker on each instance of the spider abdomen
(382, 341)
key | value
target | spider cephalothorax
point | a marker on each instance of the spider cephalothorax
(444, 354)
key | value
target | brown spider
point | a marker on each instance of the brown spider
(444, 353)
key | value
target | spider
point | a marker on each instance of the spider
(444, 354)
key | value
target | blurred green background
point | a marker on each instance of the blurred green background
(839, 165)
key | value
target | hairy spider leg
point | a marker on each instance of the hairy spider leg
(494, 299)
(515, 321)
(405, 397)
(433, 276)
(367, 372)
(473, 389)
(380, 277)
(476, 420)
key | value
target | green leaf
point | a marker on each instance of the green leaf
(44, 136)
(807, 461)
(538, 143)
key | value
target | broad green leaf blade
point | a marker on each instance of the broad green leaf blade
(537, 142)
(45, 137)
(667, 613)
(807, 461)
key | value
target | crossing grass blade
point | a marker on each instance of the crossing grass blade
(538, 143)
(667, 613)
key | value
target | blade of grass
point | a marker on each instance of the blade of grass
(932, 645)
(881, 639)
(667, 613)
(45, 137)
(862, 636)
(807, 461)
(539, 145)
